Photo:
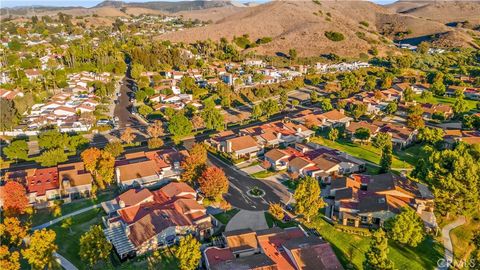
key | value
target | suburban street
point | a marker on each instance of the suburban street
(240, 183)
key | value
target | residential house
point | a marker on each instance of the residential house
(75, 181)
(149, 168)
(32, 74)
(373, 199)
(141, 220)
(402, 136)
(430, 110)
(278, 133)
(42, 185)
(352, 127)
(333, 118)
(271, 249)
(237, 146)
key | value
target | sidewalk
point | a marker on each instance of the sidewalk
(66, 264)
(447, 241)
(57, 220)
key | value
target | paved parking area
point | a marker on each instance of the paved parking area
(244, 219)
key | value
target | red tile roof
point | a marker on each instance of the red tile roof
(42, 180)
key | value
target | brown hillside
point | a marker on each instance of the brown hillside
(214, 14)
(299, 24)
(442, 11)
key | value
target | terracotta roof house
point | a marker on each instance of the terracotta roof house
(372, 199)
(311, 253)
(75, 181)
(333, 118)
(149, 168)
(279, 158)
(140, 220)
(429, 110)
(278, 133)
(352, 127)
(243, 146)
(42, 186)
(285, 249)
(402, 136)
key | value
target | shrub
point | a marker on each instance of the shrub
(334, 36)
(264, 40)
(364, 23)
(242, 42)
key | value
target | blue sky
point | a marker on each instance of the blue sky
(90, 3)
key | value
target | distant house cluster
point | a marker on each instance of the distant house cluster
(140, 220)
(252, 141)
(63, 110)
(271, 249)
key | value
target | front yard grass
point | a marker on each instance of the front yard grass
(462, 237)
(471, 104)
(271, 221)
(160, 259)
(68, 241)
(45, 215)
(225, 217)
(266, 173)
(363, 151)
(351, 249)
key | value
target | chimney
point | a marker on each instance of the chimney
(117, 174)
(121, 204)
(347, 124)
(342, 111)
(279, 135)
(127, 230)
(229, 146)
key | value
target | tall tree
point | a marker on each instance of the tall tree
(39, 253)
(454, 176)
(94, 247)
(276, 210)
(381, 140)
(188, 253)
(386, 158)
(460, 106)
(179, 126)
(12, 231)
(128, 136)
(17, 150)
(406, 228)
(333, 134)
(362, 134)
(307, 196)
(52, 139)
(90, 158)
(194, 163)
(9, 260)
(212, 117)
(52, 157)
(155, 130)
(115, 148)
(376, 257)
(15, 200)
(213, 182)
(408, 94)
(326, 104)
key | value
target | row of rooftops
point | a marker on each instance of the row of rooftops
(273, 248)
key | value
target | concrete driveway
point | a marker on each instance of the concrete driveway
(244, 219)
(253, 169)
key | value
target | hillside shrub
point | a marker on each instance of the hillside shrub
(364, 23)
(334, 36)
(263, 40)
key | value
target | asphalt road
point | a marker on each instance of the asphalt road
(240, 183)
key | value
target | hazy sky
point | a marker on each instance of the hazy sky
(90, 3)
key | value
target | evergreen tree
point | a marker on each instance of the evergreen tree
(386, 159)
(406, 228)
(376, 257)
(307, 196)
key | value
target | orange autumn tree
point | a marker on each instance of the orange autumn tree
(100, 164)
(213, 183)
(194, 164)
(90, 158)
(15, 200)
(12, 231)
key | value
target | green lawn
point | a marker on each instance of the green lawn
(363, 151)
(44, 215)
(224, 218)
(462, 237)
(351, 249)
(161, 259)
(471, 104)
(69, 242)
(266, 173)
(273, 221)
